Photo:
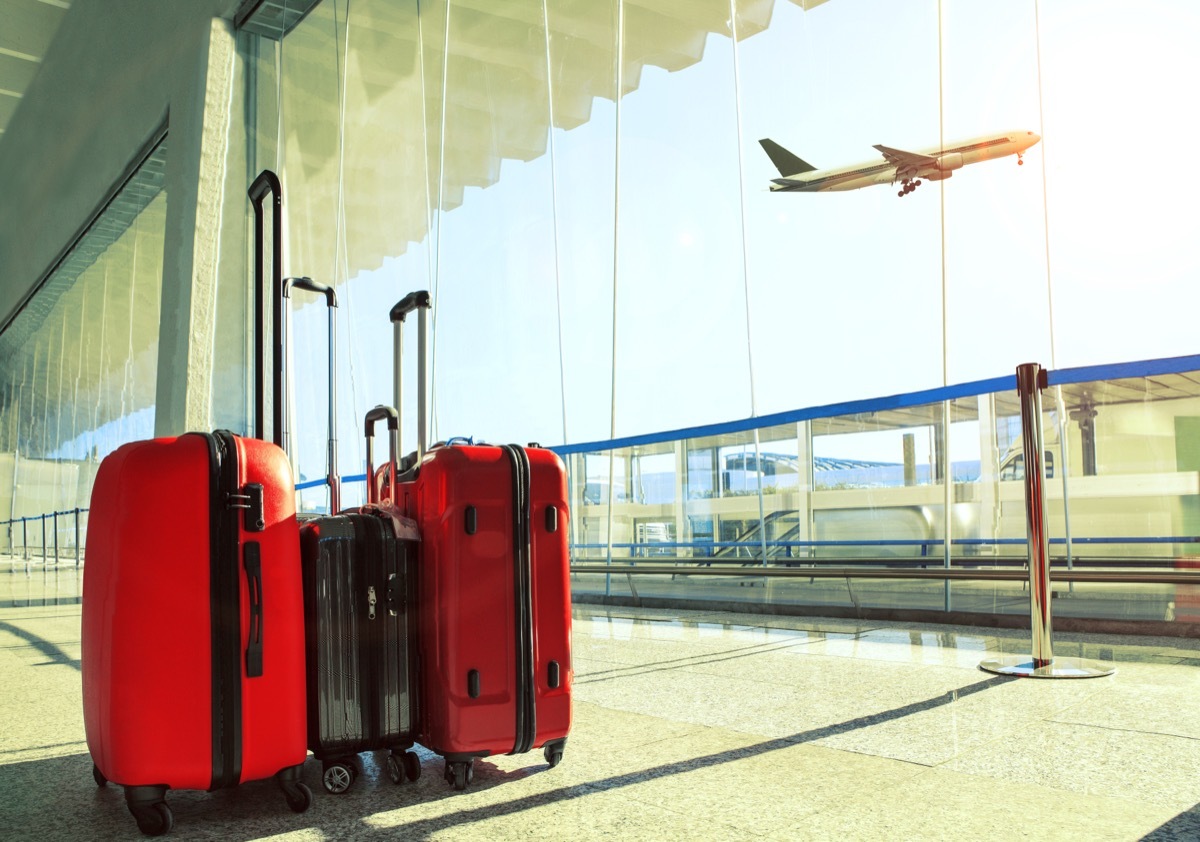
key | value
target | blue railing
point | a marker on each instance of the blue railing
(1007, 383)
(75, 529)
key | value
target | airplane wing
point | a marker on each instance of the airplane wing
(907, 164)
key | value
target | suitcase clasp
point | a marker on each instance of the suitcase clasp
(371, 602)
(251, 499)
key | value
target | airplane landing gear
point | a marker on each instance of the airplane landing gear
(1020, 160)
(909, 185)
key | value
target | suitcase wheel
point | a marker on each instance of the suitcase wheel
(98, 776)
(459, 773)
(154, 820)
(149, 808)
(412, 765)
(299, 796)
(553, 754)
(338, 776)
(395, 769)
(300, 799)
(402, 766)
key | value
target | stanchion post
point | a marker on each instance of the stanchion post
(1030, 382)
(44, 559)
(1031, 379)
(56, 539)
(77, 548)
(24, 538)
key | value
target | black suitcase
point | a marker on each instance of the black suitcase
(359, 572)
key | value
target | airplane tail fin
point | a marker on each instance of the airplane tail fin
(785, 162)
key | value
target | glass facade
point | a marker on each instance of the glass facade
(605, 266)
(81, 360)
(604, 199)
(866, 490)
(587, 191)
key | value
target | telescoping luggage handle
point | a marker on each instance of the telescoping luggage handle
(393, 421)
(418, 301)
(283, 318)
(267, 183)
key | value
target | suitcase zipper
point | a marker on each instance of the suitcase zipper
(526, 718)
(224, 594)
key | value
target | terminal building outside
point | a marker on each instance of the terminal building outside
(733, 376)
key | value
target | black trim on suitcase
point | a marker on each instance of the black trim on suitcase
(225, 600)
(526, 726)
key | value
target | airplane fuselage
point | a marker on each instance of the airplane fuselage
(941, 164)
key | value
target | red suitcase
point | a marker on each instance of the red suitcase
(193, 617)
(193, 622)
(493, 593)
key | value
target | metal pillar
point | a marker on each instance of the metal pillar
(1042, 664)
(77, 547)
(56, 539)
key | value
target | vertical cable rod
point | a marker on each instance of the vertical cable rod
(437, 273)
(1037, 29)
(562, 366)
(948, 470)
(612, 413)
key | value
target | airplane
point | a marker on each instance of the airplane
(908, 168)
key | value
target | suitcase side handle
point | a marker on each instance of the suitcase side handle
(283, 319)
(254, 642)
(267, 183)
(421, 302)
(375, 415)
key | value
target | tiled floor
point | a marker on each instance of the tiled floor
(694, 725)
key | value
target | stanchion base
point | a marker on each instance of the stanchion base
(1022, 666)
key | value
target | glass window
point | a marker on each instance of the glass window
(81, 358)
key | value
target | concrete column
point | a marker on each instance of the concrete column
(197, 158)
(805, 483)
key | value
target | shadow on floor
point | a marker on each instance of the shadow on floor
(1183, 828)
(57, 798)
(50, 650)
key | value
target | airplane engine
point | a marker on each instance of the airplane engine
(953, 161)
